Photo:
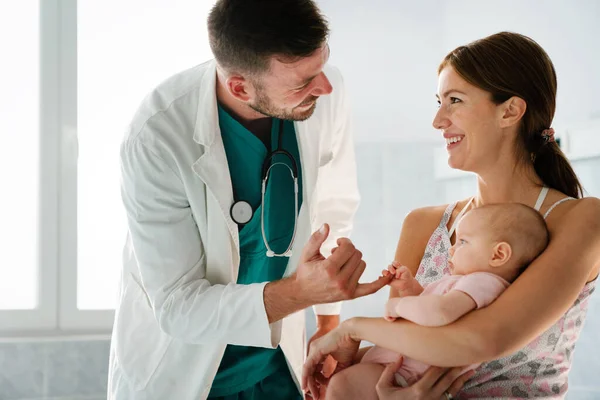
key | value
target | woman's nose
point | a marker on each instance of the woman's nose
(440, 121)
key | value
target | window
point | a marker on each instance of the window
(28, 272)
(120, 58)
(76, 76)
(19, 163)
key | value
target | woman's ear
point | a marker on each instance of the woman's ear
(512, 110)
(501, 253)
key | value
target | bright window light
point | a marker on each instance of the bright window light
(125, 49)
(19, 165)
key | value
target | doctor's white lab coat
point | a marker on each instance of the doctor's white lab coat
(178, 303)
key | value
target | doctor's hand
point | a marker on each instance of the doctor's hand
(335, 278)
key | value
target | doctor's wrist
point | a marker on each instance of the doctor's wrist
(282, 298)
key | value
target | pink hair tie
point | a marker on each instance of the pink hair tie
(548, 135)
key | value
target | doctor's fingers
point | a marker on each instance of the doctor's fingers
(343, 253)
(341, 278)
(312, 249)
(355, 277)
(348, 268)
(365, 289)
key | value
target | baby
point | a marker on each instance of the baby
(494, 244)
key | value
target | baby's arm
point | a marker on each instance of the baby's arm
(430, 310)
(403, 284)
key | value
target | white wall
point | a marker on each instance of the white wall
(569, 31)
(389, 51)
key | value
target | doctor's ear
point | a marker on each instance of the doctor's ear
(512, 111)
(501, 253)
(239, 87)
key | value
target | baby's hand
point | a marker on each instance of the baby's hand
(403, 279)
(390, 313)
(391, 270)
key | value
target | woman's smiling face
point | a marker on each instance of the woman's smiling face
(469, 121)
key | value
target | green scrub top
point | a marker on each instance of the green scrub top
(254, 373)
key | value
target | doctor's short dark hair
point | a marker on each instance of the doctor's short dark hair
(245, 34)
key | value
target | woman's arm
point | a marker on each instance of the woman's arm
(535, 301)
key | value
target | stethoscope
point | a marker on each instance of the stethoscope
(241, 211)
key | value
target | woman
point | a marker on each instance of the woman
(497, 99)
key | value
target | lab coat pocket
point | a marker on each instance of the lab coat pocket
(141, 344)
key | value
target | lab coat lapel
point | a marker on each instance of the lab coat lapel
(307, 134)
(212, 167)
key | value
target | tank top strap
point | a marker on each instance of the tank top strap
(459, 216)
(556, 204)
(541, 198)
(447, 215)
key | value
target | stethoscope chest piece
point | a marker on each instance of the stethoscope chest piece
(241, 212)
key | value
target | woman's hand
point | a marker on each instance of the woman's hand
(432, 386)
(340, 345)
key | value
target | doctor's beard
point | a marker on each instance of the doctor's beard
(265, 106)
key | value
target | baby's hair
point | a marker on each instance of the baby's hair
(521, 226)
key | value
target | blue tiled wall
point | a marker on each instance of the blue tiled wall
(54, 370)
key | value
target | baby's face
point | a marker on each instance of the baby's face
(473, 247)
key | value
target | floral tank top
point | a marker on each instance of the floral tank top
(538, 370)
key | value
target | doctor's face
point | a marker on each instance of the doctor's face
(291, 88)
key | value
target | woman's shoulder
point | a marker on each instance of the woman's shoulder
(589, 204)
(585, 210)
(426, 219)
(578, 222)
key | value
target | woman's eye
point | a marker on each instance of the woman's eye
(454, 100)
(439, 104)
(462, 241)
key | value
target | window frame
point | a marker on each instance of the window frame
(70, 317)
(56, 312)
(44, 316)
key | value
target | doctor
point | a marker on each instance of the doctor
(220, 261)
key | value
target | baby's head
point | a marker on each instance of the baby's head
(498, 238)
